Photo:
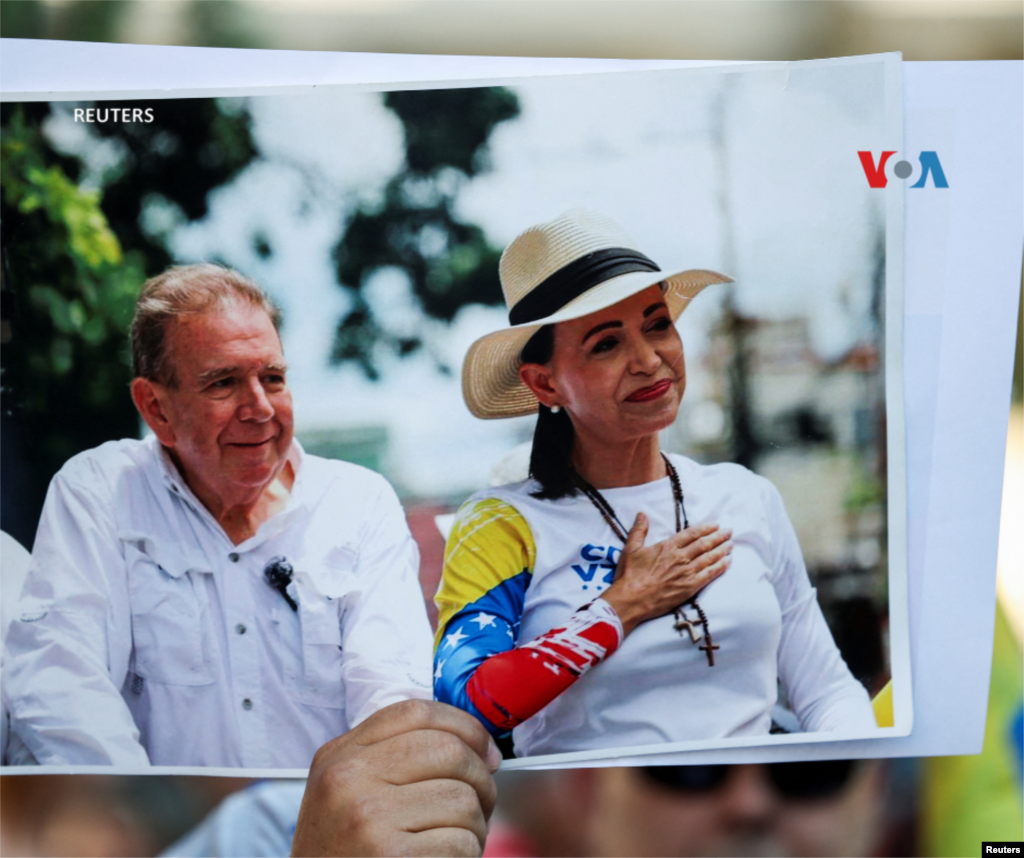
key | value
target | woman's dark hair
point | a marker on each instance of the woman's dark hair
(550, 458)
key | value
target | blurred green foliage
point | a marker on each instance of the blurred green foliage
(22, 20)
(75, 253)
(216, 23)
(67, 366)
(449, 263)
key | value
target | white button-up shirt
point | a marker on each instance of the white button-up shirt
(145, 636)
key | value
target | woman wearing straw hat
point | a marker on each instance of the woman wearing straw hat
(620, 596)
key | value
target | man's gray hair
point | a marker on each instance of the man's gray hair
(181, 290)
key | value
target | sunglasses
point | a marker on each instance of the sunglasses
(816, 779)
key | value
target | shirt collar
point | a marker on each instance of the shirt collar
(175, 484)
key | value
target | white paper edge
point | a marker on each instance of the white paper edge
(900, 663)
(897, 577)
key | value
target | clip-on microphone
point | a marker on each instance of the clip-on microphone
(278, 573)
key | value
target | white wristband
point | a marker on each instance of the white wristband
(607, 613)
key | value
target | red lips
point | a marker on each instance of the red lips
(645, 394)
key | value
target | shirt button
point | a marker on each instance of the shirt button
(247, 703)
(240, 628)
(233, 557)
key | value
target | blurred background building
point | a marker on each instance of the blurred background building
(817, 410)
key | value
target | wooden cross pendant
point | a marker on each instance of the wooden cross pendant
(710, 648)
(692, 627)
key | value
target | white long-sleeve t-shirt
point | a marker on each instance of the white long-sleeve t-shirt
(145, 636)
(657, 687)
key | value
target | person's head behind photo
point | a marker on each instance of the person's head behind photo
(810, 808)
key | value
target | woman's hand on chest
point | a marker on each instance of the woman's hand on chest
(652, 580)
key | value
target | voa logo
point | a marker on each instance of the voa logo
(930, 166)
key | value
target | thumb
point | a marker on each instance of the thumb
(637, 534)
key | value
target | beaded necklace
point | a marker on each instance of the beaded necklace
(682, 624)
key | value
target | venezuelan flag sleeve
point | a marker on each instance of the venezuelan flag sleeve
(488, 565)
(479, 665)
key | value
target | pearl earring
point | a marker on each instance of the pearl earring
(555, 409)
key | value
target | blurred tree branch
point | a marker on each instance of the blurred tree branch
(448, 263)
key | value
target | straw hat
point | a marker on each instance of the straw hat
(576, 264)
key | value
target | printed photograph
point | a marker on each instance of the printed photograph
(567, 402)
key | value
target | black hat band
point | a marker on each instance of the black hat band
(567, 283)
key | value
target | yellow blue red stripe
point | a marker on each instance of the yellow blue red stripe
(489, 563)
(490, 543)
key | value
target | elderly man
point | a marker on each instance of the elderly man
(212, 595)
